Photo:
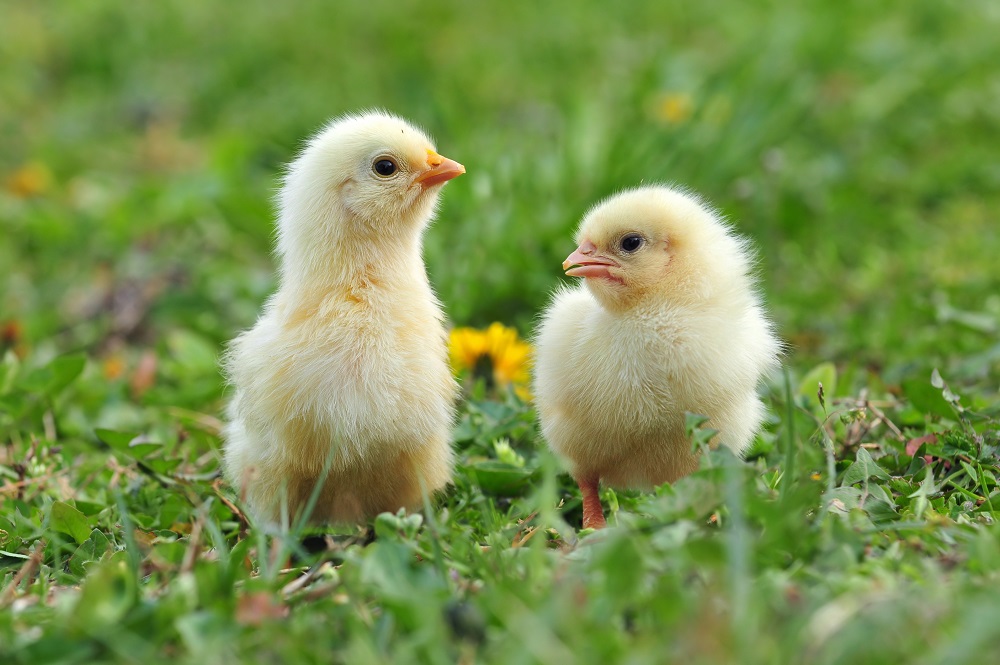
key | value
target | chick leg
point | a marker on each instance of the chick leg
(593, 514)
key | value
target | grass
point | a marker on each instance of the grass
(851, 141)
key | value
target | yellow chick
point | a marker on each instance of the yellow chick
(667, 321)
(346, 371)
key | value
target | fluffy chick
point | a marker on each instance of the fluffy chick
(344, 379)
(667, 321)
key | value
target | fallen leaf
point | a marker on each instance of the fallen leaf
(913, 445)
(144, 376)
(10, 332)
(253, 609)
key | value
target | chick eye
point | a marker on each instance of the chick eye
(384, 167)
(631, 242)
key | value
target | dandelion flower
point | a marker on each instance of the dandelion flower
(674, 107)
(30, 180)
(496, 354)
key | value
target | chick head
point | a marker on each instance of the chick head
(364, 174)
(654, 244)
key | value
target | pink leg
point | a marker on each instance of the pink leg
(593, 514)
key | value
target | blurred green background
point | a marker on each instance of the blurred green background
(854, 141)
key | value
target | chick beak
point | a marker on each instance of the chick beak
(439, 169)
(588, 263)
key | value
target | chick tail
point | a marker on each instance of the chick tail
(593, 514)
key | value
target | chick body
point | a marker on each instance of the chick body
(344, 379)
(673, 327)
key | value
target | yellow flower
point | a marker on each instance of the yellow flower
(674, 107)
(113, 367)
(30, 180)
(496, 354)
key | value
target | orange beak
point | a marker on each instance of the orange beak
(588, 263)
(439, 170)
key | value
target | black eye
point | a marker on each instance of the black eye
(631, 242)
(384, 167)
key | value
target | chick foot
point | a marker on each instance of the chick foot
(593, 514)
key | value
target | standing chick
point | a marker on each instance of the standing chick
(667, 321)
(346, 371)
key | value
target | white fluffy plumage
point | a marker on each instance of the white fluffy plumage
(667, 321)
(346, 370)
